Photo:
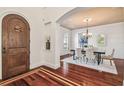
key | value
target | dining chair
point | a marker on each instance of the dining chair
(109, 57)
(79, 54)
(90, 55)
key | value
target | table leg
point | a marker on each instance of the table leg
(73, 55)
(99, 59)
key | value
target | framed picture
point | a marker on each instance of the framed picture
(101, 40)
(82, 40)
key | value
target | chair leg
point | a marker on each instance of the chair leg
(94, 61)
(111, 62)
(102, 61)
(76, 58)
(80, 59)
(86, 60)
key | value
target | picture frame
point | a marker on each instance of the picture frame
(101, 40)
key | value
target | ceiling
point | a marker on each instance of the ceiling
(99, 16)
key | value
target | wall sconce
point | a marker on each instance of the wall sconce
(48, 43)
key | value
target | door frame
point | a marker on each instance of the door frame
(1, 32)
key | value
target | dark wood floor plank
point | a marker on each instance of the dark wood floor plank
(21, 83)
(34, 82)
(81, 79)
(97, 76)
(33, 77)
(58, 80)
(48, 79)
(76, 78)
(120, 67)
(60, 77)
(28, 81)
(76, 73)
(84, 77)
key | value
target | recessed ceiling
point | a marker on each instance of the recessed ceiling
(99, 16)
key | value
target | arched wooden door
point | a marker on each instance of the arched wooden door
(15, 45)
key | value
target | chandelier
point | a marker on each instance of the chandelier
(87, 34)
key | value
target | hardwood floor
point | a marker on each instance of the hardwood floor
(89, 77)
(120, 67)
(69, 75)
(39, 77)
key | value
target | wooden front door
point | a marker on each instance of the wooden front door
(15, 45)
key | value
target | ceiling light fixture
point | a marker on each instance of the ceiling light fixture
(87, 34)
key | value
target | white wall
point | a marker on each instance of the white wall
(114, 34)
(61, 38)
(38, 32)
(52, 57)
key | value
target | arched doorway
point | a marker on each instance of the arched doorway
(15, 45)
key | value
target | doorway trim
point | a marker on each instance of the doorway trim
(1, 18)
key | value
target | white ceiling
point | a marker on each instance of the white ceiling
(100, 16)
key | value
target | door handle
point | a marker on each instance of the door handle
(4, 50)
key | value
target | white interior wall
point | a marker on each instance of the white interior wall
(114, 34)
(52, 57)
(38, 32)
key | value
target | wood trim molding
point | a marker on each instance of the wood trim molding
(60, 77)
(56, 77)
(17, 77)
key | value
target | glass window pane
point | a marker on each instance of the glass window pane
(66, 38)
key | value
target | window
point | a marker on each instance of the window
(66, 41)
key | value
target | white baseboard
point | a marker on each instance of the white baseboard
(35, 65)
(123, 82)
(52, 65)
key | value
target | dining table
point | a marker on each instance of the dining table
(73, 54)
(97, 53)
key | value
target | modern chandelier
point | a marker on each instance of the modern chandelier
(87, 34)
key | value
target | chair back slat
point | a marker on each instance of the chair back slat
(78, 52)
(113, 51)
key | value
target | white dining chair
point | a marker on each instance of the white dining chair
(79, 54)
(109, 57)
(90, 55)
